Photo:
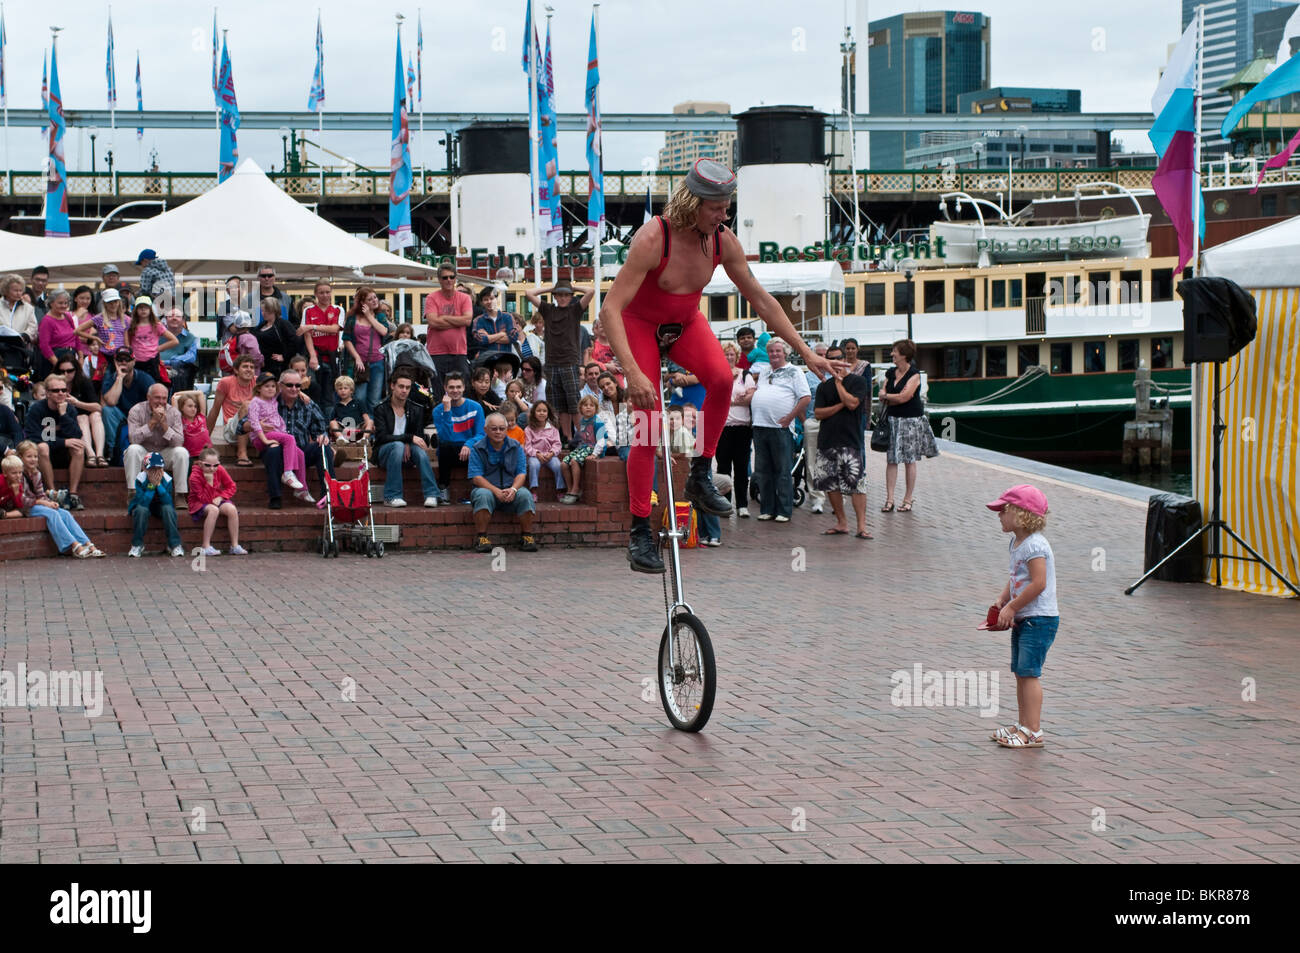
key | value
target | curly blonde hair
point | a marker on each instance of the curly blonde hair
(683, 207)
(1026, 521)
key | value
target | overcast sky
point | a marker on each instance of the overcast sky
(654, 53)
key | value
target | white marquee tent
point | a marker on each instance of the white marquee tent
(784, 278)
(244, 222)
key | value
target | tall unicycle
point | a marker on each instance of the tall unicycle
(688, 677)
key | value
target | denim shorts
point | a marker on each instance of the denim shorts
(1031, 637)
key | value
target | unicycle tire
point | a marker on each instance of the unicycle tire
(687, 692)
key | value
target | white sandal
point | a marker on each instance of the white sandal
(1002, 734)
(1015, 741)
(81, 550)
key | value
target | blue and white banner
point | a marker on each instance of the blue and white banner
(399, 180)
(56, 186)
(548, 157)
(595, 172)
(139, 97)
(4, 95)
(229, 117)
(110, 70)
(316, 98)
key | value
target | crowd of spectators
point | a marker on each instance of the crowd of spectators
(110, 380)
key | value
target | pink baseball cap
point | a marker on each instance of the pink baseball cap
(1024, 496)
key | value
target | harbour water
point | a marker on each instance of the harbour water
(1177, 480)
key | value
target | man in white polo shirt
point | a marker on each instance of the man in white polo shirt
(781, 398)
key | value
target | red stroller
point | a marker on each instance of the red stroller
(348, 502)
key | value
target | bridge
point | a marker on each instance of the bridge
(363, 185)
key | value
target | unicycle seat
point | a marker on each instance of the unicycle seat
(667, 335)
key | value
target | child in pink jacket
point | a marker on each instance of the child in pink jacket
(542, 445)
(268, 431)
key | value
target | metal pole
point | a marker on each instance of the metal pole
(911, 304)
(1196, 153)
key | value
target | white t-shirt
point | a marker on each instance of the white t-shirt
(399, 424)
(778, 392)
(1035, 546)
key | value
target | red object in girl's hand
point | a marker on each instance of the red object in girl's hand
(990, 623)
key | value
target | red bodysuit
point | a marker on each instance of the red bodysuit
(696, 349)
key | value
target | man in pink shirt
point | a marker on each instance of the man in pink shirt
(447, 313)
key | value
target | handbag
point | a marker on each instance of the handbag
(880, 433)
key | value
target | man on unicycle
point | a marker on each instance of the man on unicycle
(668, 265)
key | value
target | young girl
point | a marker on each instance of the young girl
(268, 431)
(511, 413)
(349, 421)
(211, 490)
(110, 326)
(1027, 605)
(147, 337)
(589, 437)
(515, 398)
(93, 361)
(542, 445)
(23, 494)
(193, 423)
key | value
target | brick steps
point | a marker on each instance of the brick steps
(601, 519)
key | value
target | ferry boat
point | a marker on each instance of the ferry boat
(1034, 358)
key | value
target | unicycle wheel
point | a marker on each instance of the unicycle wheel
(687, 688)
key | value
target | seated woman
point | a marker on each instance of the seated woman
(616, 411)
(84, 395)
(22, 493)
(211, 492)
(533, 379)
(481, 390)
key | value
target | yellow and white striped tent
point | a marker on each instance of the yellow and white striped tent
(1260, 406)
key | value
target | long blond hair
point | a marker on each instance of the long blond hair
(683, 207)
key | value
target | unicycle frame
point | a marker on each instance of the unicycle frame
(678, 601)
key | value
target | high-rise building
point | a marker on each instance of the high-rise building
(920, 63)
(1269, 28)
(682, 149)
(994, 148)
(1229, 45)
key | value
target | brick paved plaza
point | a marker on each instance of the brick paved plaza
(517, 697)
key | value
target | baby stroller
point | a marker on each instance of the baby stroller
(348, 502)
(412, 357)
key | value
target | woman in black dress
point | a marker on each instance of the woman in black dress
(910, 436)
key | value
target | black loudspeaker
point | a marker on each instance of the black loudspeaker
(1218, 319)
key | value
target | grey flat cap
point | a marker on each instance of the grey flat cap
(711, 180)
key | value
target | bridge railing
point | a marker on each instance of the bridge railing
(632, 184)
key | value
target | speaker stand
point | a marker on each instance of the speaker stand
(1216, 524)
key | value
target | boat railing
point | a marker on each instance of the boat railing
(1036, 315)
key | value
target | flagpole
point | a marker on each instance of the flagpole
(419, 80)
(596, 239)
(112, 106)
(320, 114)
(9, 180)
(534, 142)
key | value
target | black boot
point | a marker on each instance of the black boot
(643, 548)
(701, 491)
